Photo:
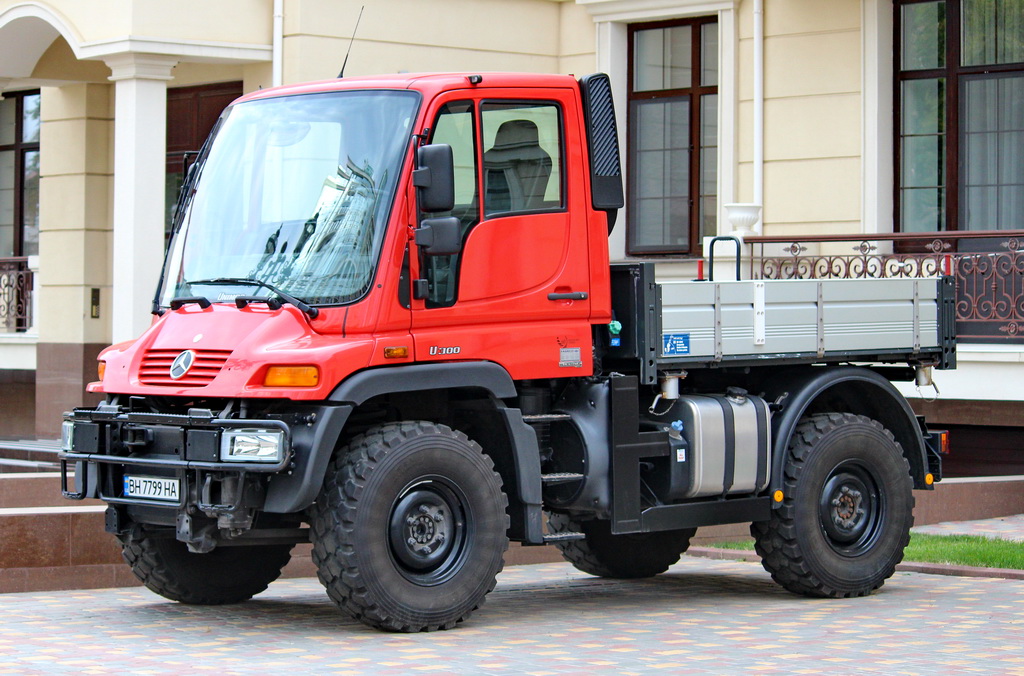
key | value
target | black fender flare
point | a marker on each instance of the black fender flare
(297, 490)
(850, 389)
(367, 384)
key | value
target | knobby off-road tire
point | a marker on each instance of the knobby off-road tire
(631, 556)
(225, 575)
(409, 530)
(847, 511)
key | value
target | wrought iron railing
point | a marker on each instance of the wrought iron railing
(16, 287)
(989, 270)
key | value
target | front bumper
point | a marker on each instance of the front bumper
(110, 441)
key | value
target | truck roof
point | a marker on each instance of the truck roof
(428, 83)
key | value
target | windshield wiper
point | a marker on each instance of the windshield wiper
(311, 311)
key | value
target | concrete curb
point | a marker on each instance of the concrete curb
(905, 567)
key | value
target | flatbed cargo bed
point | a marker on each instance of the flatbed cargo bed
(694, 323)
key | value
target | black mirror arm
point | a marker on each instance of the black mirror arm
(439, 236)
(421, 177)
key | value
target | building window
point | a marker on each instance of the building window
(19, 174)
(192, 113)
(673, 135)
(960, 126)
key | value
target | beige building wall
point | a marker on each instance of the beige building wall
(577, 43)
(412, 36)
(222, 21)
(79, 54)
(75, 211)
(74, 241)
(827, 103)
(812, 115)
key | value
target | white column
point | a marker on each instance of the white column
(877, 116)
(759, 110)
(140, 149)
(277, 46)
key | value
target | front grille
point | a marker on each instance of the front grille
(156, 368)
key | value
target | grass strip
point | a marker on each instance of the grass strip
(960, 550)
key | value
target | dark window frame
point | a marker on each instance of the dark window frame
(20, 149)
(953, 74)
(694, 94)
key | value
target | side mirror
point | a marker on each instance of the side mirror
(439, 236)
(435, 177)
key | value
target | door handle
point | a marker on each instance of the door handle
(572, 295)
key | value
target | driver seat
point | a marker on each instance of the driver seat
(516, 169)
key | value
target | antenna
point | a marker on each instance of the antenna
(345, 62)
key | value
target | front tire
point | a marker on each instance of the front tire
(625, 557)
(409, 530)
(847, 512)
(224, 575)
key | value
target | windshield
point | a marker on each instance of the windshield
(295, 192)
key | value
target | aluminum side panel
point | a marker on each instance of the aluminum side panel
(799, 316)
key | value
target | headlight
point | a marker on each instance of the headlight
(250, 445)
(67, 431)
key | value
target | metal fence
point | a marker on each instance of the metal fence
(16, 286)
(989, 271)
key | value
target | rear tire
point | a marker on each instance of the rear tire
(630, 556)
(225, 575)
(847, 511)
(409, 530)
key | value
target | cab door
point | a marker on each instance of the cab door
(518, 293)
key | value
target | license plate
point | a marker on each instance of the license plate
(154, 488)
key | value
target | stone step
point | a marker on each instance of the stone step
(50, 548)
(35, 489)
(8, 466)
(28, 455)
(40, 445)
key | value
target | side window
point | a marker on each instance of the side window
(523, 158)
(454, 126)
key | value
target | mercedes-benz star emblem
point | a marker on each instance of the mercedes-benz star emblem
(182, 363)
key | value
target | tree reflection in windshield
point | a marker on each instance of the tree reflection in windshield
(334, 249)
(295, 191)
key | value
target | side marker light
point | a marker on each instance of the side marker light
(396, 352)
(929, 479)
(778, 496)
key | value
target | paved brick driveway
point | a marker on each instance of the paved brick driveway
(703, 616)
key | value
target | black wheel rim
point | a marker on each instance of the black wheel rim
(429, 531)
(851, 509)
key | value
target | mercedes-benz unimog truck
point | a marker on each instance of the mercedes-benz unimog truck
(387, 324)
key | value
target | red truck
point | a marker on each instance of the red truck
(387, 324)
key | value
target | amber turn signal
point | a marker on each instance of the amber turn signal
(101, 368)
(292, 376)
(396, 352)
(929, 479)
(778, 496)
